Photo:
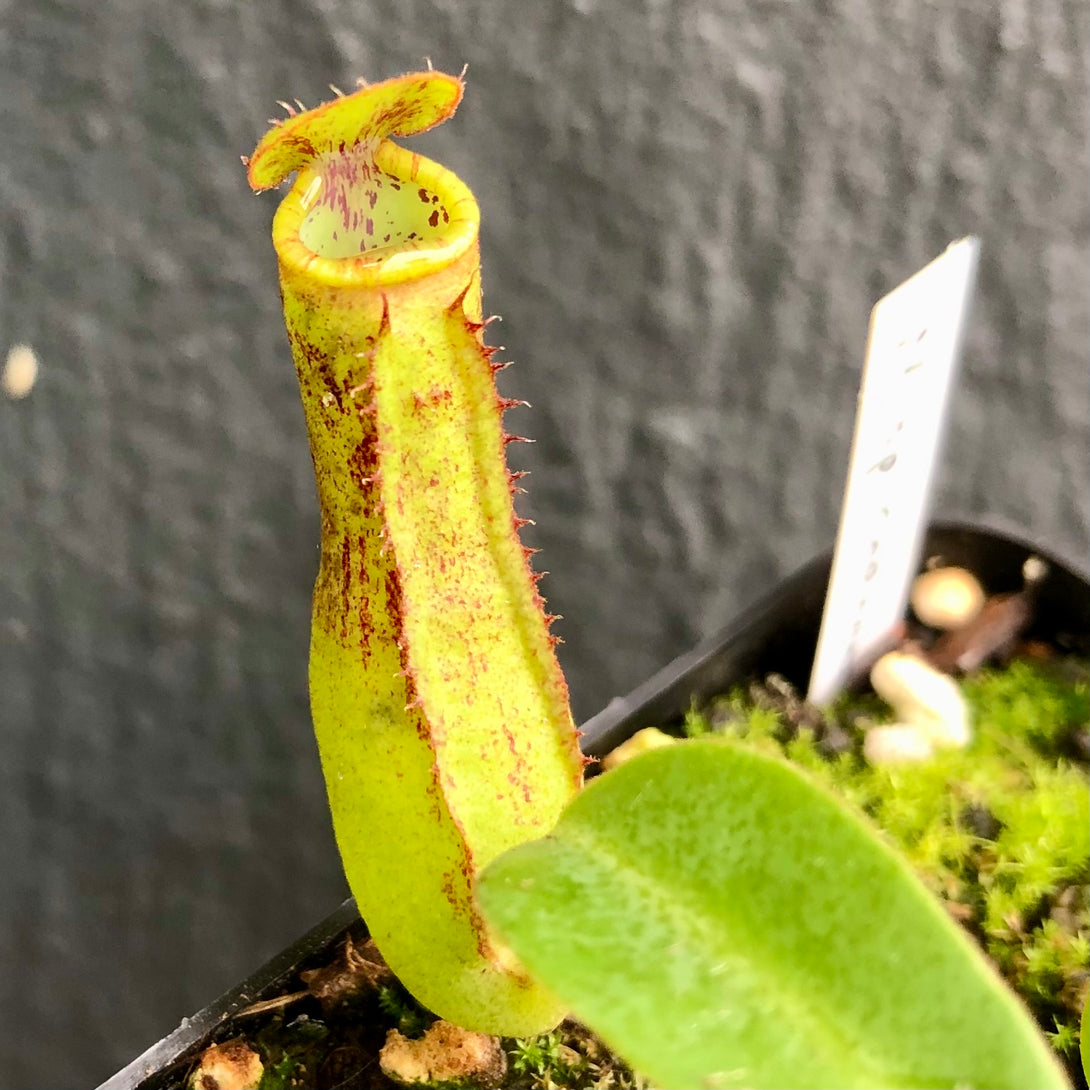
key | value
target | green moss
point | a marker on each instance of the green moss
(291, 1053)
(1000, 830)
(1084, 1038)
(544, 1058)
(570, 1057)
(280, 1075)
(404, 1013)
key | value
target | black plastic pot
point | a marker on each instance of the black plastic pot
(159, 1066)
(778, 634)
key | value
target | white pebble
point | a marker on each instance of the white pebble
(947, 598)
(1034, 570)
(20, 371)
(897, 743)
(923, 697)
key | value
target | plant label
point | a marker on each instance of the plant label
(913, 353)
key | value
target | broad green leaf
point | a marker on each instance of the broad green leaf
(723, 922)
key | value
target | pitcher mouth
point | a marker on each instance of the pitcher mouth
(363, 210)
(374, 217)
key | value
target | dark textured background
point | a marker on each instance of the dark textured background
(689, 208)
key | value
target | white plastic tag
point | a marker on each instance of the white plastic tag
(913, 353)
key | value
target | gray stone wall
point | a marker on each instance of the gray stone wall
(689, 208)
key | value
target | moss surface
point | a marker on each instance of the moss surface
(1000, 831)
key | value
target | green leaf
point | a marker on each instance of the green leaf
(723, 922)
